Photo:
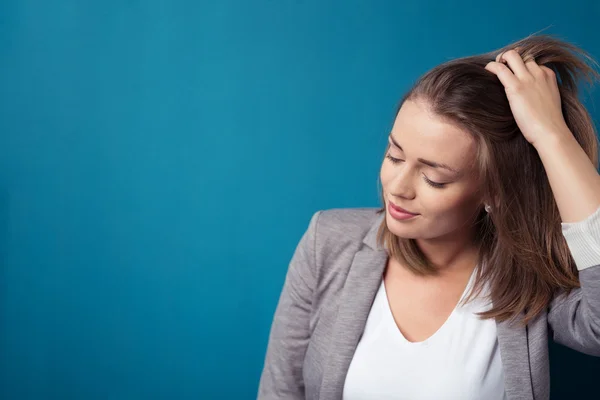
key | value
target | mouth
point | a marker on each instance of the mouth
(400, 209)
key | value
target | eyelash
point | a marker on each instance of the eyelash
(429, 182)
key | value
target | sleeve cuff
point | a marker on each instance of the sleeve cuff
(583, 239)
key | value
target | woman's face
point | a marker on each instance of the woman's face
(427, 170)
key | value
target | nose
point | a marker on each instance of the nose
(402, 185)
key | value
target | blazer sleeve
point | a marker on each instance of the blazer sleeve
(575, 319)
(290, 331)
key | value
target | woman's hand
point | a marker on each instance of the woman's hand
(533, 95)
(534, 99)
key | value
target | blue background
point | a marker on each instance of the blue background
(159, 161)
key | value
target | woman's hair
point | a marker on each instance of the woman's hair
(524, 255)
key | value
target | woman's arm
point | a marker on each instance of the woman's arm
(290, 333)
(574, 181)
(534, 98)
(575, 319)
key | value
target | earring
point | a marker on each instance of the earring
(488, 208)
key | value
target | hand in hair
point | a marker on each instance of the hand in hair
(533, 95)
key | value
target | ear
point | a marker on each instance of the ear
(492, 203)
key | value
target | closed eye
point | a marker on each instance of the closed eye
(437, 185)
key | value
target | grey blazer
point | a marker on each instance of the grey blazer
(331, 283)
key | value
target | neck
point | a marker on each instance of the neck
(454, 253)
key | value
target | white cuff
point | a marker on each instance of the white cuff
(583, 239)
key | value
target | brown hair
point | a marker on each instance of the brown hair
(525, 256)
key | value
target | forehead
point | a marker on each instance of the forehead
(424, 135)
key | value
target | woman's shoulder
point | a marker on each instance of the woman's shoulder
(338, 235)
(347, 220)
(340, 227)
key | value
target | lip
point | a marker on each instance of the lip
(399, 213)
(401, 209)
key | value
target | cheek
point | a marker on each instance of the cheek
(385, 174)
(387, 177)
(447, 204)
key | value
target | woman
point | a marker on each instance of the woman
(487, 244)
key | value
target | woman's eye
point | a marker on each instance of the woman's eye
(434, 184)
(393, 159)
(431, 183)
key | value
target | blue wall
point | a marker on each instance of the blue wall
(159, 162)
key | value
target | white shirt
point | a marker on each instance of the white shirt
(461, 360)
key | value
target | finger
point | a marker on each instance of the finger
(516, 64)
(499, 56)
(506, 76)
(548, 71)
(534, 69)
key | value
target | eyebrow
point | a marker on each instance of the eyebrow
(426, 162)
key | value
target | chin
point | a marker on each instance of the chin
(401, 230)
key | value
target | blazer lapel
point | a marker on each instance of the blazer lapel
(363, 280)
(514, 352)
(361, 286)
